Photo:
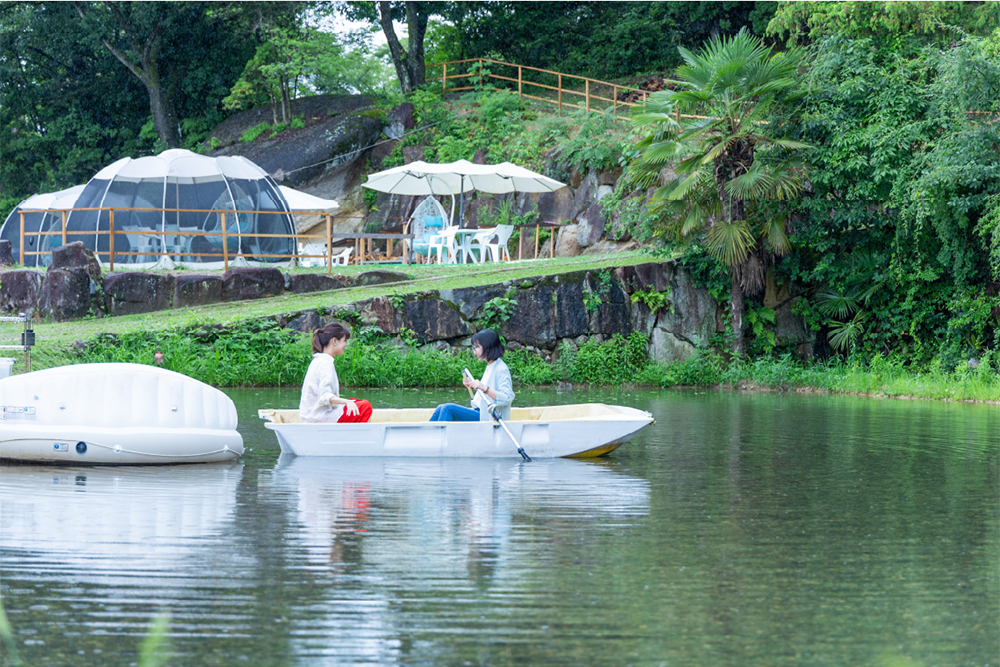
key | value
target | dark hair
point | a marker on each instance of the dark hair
(490, 342)
(322, 337)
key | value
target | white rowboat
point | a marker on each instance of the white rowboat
(575, 431)
(110, 414)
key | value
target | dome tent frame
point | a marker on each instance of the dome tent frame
(42, 213)
(170, 205)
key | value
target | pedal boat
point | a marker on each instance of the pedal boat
(573, 431)
(113, 414)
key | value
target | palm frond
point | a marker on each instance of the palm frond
(696, 219)
(777, 239)
(836, 304)
(844, 335)
(730, 241)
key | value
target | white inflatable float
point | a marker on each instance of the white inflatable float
(115, 414)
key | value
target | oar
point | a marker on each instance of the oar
(520, 450)
(492, 409)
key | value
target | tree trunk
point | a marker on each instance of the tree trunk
(409, 64)
(736, 308)
(396, 50)
(286, 102)
(164, 117)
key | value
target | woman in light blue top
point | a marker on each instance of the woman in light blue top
(495, 388)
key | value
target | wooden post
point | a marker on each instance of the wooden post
(552, 243)
(22, 239)
(444, 81)
(586, 90)
(560, 94)
(329, 245)
(519, 81)
(520, 243)
(538, 228)
(677, 115)
(225, 243)
(111, 239)
(614, 96)
(64, 227)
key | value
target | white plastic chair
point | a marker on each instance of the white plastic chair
(340, 258)
(444, 243)
(493, 242)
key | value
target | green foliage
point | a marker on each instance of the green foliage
(255, 132)
(602, 40)
(618, 360)
(761, 324)
(904, 178)
(496, 311)
(155, 648)
(655, 301)
(597, 144)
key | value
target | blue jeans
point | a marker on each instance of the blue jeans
(451, 412)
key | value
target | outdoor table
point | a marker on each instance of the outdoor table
(464, 237)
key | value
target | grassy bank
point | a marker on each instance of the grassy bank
(54, 339)
(259, 353)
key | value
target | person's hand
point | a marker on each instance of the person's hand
(351, 408)
(469, 382)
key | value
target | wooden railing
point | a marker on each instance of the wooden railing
(363, 242)
(564, 90)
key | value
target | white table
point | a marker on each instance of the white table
(464, 239)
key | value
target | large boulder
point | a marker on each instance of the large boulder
(196, 290)
(68, 294)
(570, 315)
(566, 241)
(469, 300)
(76, 256)
(399, 120)
(6, 253)
(300, 283)
(19, 291)
(72, 284)
(251, 283)
(381, 312)
(433, 319)
(533, 321)
(694, 316)
(379, 278)
(133, 293)
(590, 227)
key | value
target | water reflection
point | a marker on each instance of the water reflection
(400, 536)
(461, 508)
(97, 518)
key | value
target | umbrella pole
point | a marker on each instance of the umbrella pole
(461, 201)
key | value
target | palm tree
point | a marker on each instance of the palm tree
(723, 168)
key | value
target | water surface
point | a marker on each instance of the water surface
(738, 530)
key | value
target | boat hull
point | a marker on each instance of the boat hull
(563, 431)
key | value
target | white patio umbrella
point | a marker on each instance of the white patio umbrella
(461, 176)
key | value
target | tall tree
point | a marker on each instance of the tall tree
(409, 59)
(178, 51)
(728, 165)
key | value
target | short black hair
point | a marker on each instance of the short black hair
(490, 342)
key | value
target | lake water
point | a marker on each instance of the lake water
(738, 530)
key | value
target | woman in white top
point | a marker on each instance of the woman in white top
(321, 401)
(495, 388)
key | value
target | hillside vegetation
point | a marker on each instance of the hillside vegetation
(889, 226)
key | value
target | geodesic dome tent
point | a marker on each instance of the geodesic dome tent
(207, 190)
(41, 214)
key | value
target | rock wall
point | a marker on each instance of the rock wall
(543, 313)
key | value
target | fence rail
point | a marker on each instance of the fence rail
(597, 95)
(364, 242)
